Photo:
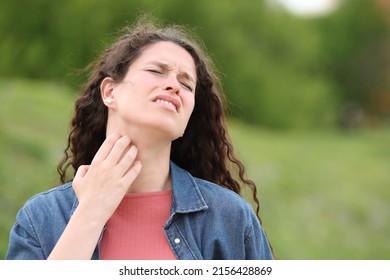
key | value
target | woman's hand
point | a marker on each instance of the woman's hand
(101, 186)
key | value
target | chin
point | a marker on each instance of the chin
(169, 127)
(175, 135)
(167, 132)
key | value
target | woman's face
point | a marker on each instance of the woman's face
(158, 90)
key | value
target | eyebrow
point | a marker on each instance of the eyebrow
(168, 67)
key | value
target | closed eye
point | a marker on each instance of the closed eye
(187, 86)
(182, 77)
(155, 71)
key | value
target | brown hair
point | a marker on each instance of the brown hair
(205, 149)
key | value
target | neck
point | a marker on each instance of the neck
(154, 155)
(154, 175)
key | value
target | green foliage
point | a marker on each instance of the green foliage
(356, 43)
(324, 195)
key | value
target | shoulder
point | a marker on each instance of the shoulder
(191, 192)
(40, 223)
(223, 198)
(61, 198)
(230, 213)
(59, 193)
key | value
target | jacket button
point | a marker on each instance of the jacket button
(177, 240)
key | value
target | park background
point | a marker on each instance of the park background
(308, 96)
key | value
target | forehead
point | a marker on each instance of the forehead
(168, 53)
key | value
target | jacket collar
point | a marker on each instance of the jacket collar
(186, 196)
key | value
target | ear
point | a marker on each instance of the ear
(107, 87)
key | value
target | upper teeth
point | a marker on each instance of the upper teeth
(166, 102)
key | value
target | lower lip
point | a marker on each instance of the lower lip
(169, 107)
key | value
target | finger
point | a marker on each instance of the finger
(81, 171)
(120, 148)
(132, 174)
(106, 147)
(128, 159)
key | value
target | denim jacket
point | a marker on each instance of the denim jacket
(206, 222)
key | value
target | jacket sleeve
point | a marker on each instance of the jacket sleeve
(23, 241)
(256, 242)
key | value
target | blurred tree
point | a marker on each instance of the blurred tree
(356, 40)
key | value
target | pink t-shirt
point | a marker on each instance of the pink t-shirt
(136, 229)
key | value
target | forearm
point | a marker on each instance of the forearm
(79, 239)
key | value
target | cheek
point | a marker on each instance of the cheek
(189, 103)
(143, 82)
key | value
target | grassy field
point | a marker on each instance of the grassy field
(324, 195)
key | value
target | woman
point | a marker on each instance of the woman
(153, 164)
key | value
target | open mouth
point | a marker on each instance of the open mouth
(168, 102)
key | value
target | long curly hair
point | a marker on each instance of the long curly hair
(205, 150)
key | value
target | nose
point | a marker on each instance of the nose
(172, 84)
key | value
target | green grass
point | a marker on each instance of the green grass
(324, 195)
(34, 119)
